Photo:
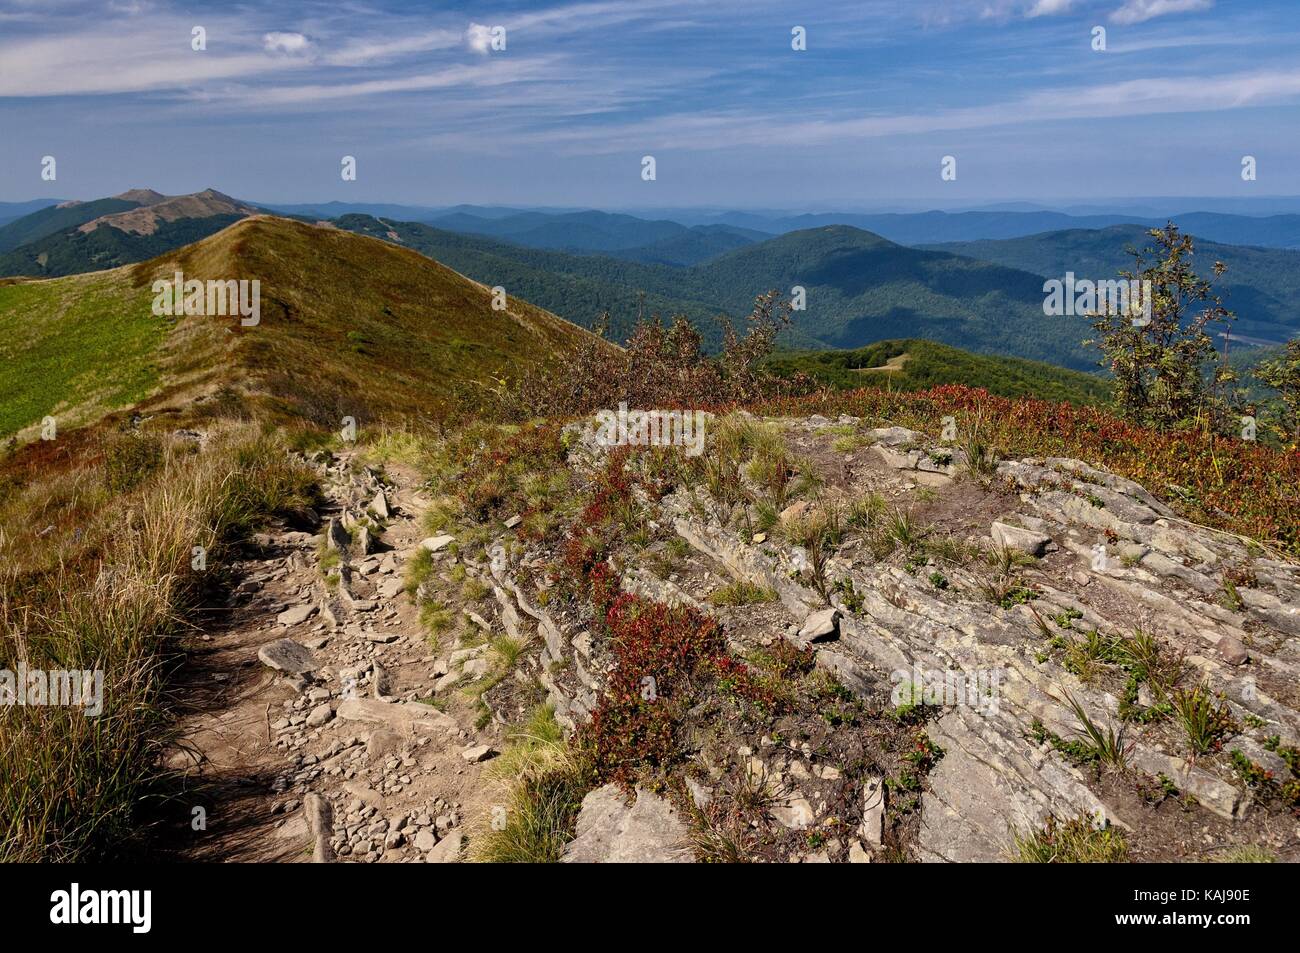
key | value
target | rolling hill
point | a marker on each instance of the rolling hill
(985, 297)
(1261, 284)
(579, 288)
(548, 227)
(9, 211)
(349, 327)
(624, 236)
(861, 288)
(913, 364)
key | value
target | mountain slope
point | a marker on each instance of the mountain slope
(349, 327)
(131, 227)
(156, 209)
(570, 231)
(57, 218)
(920, 228)
(862, 288)
(698, 245)
(579, 288)
(11, 211)
(1261, 284)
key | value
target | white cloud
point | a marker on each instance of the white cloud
(1138, 11)
(293, 44)
(1047, 8)
(1002, 10)
(478, 37)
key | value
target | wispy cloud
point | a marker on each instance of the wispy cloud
(584, 84)
(1139, 11)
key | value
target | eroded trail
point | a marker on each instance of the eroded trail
(311, 684)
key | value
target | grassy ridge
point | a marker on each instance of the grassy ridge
(349, 327)
(911, 364)
(75, 347)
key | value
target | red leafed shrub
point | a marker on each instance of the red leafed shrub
(584, 551)
(650, 639)
(487, 464)
(659, 652)
(605, 587)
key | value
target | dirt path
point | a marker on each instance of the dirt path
(354, 727)
(891, 366)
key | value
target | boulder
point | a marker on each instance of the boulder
(320, 715)
(795, 812)
(296, 615)
(609, 830)
(872, 829)
(320, 822)
(398, 717)
(447, 850)
(286, 655)
(478, 753)
(821, 626)
(1232, 651)
(336, 537)
(434, 543)
(1015, 537)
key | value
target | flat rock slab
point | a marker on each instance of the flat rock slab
(610, 831)
(435, 543)
(447, 850)
(296, 615)
(478, 753)
(1025, 540)
(411, 717)
(286, 655)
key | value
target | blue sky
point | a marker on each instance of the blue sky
(733, 116)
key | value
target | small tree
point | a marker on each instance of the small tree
(1159, 366)
(661, 365)
(1283, 375)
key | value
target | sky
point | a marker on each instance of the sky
(733, 115)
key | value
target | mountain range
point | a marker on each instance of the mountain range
(983, 295)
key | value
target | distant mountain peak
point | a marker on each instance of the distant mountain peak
(142, 196)
(145, 219)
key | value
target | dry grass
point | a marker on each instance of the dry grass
(108, 589)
